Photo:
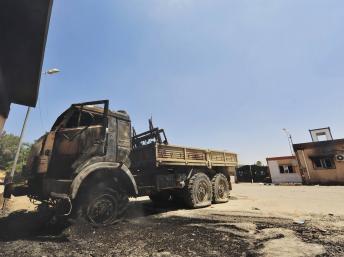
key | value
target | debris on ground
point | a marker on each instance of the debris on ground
(231, 229)
(300, 222)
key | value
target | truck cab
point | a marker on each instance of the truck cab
(84, 134)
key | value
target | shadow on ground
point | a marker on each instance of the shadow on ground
(43, 226)
(142, 233)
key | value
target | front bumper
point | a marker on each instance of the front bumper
(40, 190)
(15, 190)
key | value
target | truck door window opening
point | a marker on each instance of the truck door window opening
(84, 118)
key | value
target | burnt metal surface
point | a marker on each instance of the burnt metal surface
(85, 131)
(24, 26)
(120, 171)
(154, 134)
(74, 145)
(85, 135)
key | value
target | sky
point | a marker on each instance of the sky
(219, 74)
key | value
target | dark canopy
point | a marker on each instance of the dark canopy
(23, 31)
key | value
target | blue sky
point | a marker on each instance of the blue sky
(224, 74)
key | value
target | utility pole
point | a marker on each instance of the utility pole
(2, 123)
(10, 179)
(290, 141)
(20, 144)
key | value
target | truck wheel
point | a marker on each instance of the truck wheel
(198, 191)
(220, 187)
(103, 205)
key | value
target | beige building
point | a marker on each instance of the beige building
(284, 169)
(321, 162)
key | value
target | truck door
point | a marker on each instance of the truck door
(79, 136)
(119, 139)
(123, 140)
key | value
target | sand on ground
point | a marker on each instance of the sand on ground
(259, 220)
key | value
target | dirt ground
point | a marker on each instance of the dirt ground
(259, 220)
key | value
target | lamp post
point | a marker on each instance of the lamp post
(290, 140)
(2, 123)
(51, 71)
(10, 179)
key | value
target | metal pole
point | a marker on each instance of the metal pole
(20, 144)
(2, 123)
(251, 174)
(290, 141)
(10, 179)
(290, 145)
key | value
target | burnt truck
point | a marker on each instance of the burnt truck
(92, 161)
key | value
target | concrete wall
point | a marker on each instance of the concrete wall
(277, 177)
(322, 176)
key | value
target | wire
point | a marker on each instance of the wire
(40, 114)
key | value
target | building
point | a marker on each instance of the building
(284, 169)
(321, 162)
(252, 173)
(23, 35)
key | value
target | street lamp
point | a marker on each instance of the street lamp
(290, 140)
(10, 179)
(51, 71)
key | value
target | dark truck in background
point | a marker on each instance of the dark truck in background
(92, 161)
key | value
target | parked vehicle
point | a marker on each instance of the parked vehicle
(253, 174)
(92, 161)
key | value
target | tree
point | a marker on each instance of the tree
(8, 147)
(259, 163)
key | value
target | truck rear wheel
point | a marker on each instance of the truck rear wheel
(198, 192)
(103, 205)
(220, 187)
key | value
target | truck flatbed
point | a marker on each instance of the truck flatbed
(172, 155)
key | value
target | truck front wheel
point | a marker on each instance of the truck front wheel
(220, 188)
(198, 192)
(102, 205)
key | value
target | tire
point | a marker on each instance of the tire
(102, 204)
(220, 188)
(198, 191)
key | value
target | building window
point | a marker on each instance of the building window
(286, 169)
(323, 163)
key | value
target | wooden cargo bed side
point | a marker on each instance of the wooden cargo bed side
(170, 155)
(178, 155)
